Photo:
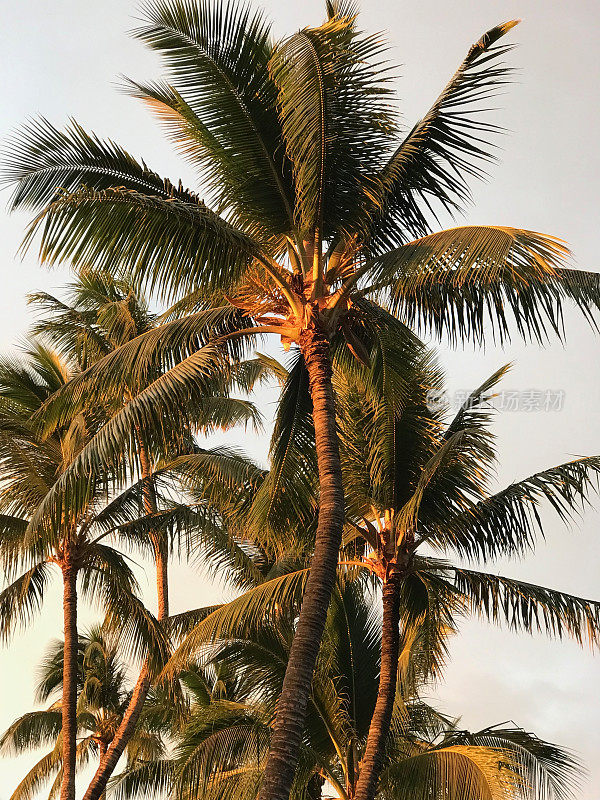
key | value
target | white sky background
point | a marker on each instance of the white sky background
(63, 59)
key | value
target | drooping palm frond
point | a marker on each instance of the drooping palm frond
(144, 780)
(40, 158)
(547, 771)
(109, 579)
(526, 606)
(48, 767)
(455, 282)
(287, 499)
(229, 739)
(35, 729)
(22, 599)
(134, 364)
(154, 235)
(454, 772)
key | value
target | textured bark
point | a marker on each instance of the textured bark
(124, 733)
(372, 761)
(97, 787)
(69, 693)
(291, 709)
(158, 543)
(102, 747)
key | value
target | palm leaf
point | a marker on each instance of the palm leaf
(455, 282)
(451, 144)
(169, 244)
(222, 107)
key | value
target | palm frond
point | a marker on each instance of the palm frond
(528, 607)
(452, 143)
(169, 244)
(35, 729)
(509, 522)
(22, 599)
(548, 772)
(241, 615)
(455, 282)
(456, 772)
(334, 112)
(222, 106)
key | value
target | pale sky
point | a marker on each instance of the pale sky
(64, 58)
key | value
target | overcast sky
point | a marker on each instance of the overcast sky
(63, 58)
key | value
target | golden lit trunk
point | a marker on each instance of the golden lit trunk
(291, 709)
(372, 761)
(69, 687)
(97, 787)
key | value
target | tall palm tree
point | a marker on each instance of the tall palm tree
(103, 698)
(317, 198)
(99, 315)
(69, 536)
(221, 748)
(412, 479)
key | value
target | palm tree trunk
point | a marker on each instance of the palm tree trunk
(372, 760)
(124, 732)
(102, 747)
(291, 709)
(108, 762)
(69, 693)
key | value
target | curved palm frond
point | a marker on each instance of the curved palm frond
(455, 282)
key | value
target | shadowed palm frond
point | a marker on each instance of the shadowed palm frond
(172, 245)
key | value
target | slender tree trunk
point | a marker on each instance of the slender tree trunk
(102, 747)
(291, 709)
(97, 787)
(69, 692)
(372, 760)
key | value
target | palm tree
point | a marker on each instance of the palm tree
(99, 315)
(221, 748)
(316, 202)
(68, 536)
(103, 698)
(413, 480)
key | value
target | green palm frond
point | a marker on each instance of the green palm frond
(509, 521)
(528, 607)
(287, 496)
(242, 615)
(222, 106)
(109, 579)
(334, 113)
(144, 780)
(133, 365)
(40, 158)
(454, 282)
(227, 740)
(172, 245)
(35, 729)
(22, 599)
(451, 144)
(39, 775)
